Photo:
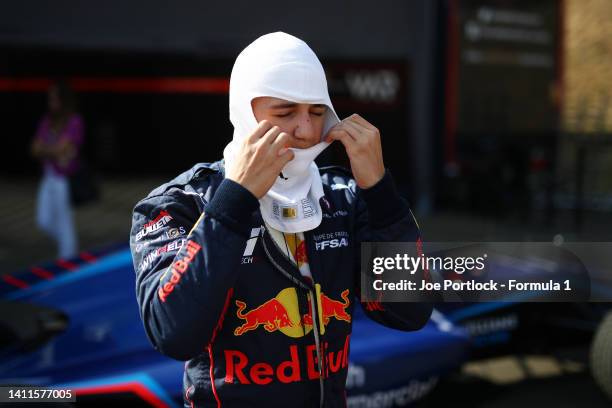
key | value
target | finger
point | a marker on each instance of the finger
(359, 119)
(281, 143)
(330, 131)
(354, 119)
(285, 158)
(355, 130)
(340, 127)
(366, 127)
(270, 135)
(343, 136)
(259, 131)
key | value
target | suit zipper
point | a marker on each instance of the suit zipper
(314, 313)
(315, 327)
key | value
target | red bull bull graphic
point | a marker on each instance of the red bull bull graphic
(330, 308)
(238, 366)
(282, 313)
(335, 308)
(272, 315)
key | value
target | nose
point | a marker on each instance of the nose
(304, 128)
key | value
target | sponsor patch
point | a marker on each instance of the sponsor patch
(289, 211)
(177, 270)
(331, 243)
(336, 239)
(154, 225)
(151, 256)
(240, 369)
(170, 234)
(281, 313)
(247, 255)
(339, 213)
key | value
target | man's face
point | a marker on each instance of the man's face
(304, 122)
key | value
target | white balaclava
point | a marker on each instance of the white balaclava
(282, 66)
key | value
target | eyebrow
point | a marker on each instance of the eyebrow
(284, 105)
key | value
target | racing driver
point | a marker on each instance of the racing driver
(248, 268)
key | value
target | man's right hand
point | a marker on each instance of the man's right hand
(260, 159)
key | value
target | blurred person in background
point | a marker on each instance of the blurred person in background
(56, 144)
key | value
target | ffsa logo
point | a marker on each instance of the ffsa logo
(331, 243)
(247, 256)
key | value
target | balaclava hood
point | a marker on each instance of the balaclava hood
(282, 66)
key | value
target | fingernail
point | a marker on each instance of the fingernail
(282, 151)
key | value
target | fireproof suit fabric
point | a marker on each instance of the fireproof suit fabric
(214, 291)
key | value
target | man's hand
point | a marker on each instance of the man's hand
(362, 143)
(260, 159)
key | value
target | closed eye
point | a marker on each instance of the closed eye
(319, 110)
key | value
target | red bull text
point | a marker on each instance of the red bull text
(178, 269)
(238, 367)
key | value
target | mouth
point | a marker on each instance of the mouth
(302, 144)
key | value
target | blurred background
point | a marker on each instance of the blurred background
(495, 116)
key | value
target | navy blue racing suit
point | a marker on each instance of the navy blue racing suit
(215, 291)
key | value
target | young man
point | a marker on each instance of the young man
(248, 268)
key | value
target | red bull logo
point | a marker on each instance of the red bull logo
(238, 367)
(177, 271)
(330, 308)
(282, 313)
(272, 315)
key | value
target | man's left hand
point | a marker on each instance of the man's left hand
(362, 143)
